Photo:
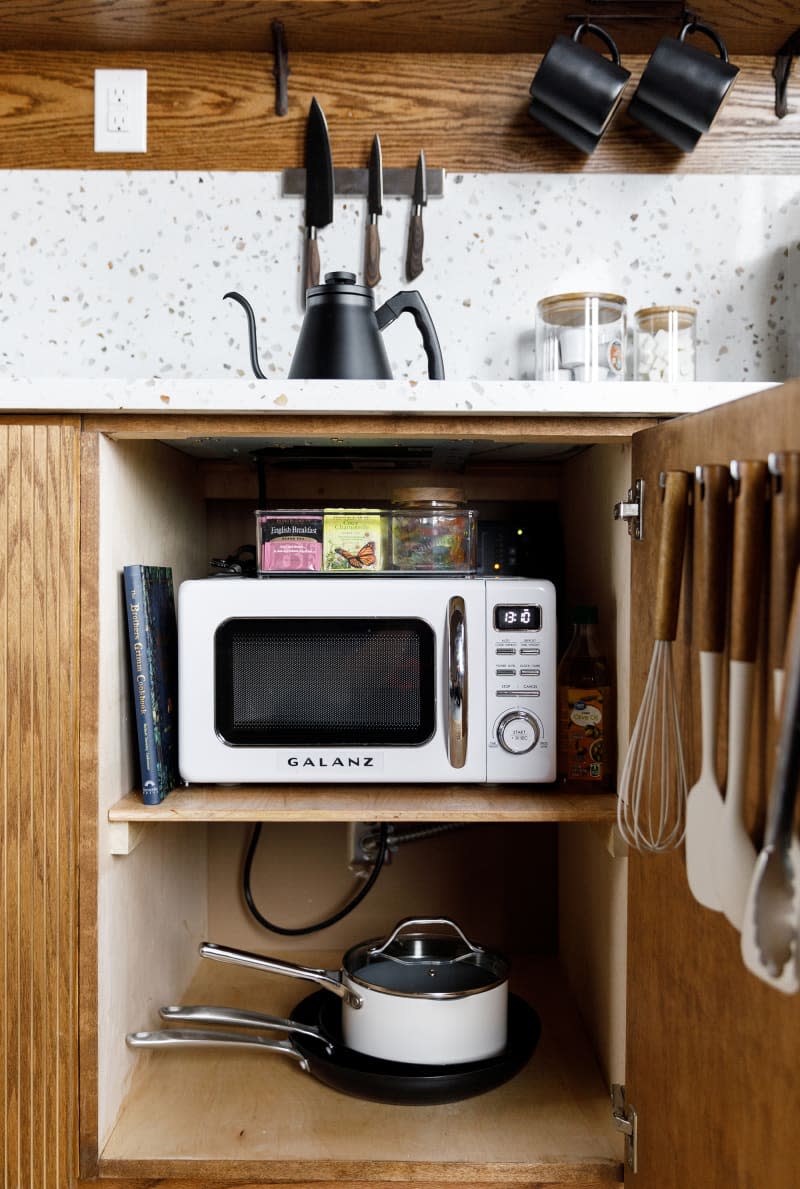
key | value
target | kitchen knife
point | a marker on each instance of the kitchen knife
(372, 259)
(415, 232)
(319, 187)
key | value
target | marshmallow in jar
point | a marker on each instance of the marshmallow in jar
(581, 336)
(664, 346)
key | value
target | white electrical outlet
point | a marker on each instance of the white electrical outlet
(120, 111)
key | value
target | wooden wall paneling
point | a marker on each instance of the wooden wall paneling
(340, 25)
(38, 789)
(216, 111)
(711, 1053)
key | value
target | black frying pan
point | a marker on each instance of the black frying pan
(326, 1057)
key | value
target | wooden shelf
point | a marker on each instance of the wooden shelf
(345, 803)
(455, 25)
(258, 1116)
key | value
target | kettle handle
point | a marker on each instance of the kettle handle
(251, 332)
(410, 302)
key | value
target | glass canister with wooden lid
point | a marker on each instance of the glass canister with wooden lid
(433, 530)
(664, 344)
(581, 336)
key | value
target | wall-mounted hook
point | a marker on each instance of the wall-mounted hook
(782, 69)
(280, 69)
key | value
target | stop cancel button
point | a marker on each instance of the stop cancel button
(517, 732)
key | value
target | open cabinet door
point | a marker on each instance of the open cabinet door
(713, 1053)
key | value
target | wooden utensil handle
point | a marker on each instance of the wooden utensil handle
(416, 239)
(787, 750)
(670, 553)
(784, 550)
(312, 261)
(712, 508)
(372, 259)
(748, 553)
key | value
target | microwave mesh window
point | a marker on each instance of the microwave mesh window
(328, 682)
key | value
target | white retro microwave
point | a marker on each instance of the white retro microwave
(364, 678)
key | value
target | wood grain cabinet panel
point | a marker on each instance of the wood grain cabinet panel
(38, 788)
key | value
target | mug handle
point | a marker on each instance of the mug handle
(697, 27)
(589, 27)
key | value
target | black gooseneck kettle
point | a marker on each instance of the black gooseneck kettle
(340, 338)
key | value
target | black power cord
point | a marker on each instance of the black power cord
(383, 846)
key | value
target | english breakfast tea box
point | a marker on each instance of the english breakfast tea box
(289, 541)
(355, 540)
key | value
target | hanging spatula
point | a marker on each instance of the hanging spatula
(704, 803)
(734, 855)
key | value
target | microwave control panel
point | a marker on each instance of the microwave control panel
(521, 644)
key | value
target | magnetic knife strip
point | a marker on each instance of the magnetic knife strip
(354, 182)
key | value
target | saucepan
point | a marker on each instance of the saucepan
(424, 995)
(314, 1040)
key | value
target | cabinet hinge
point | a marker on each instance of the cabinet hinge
(632, 510)
(624, 1117)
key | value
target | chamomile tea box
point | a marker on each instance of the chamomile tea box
(355, 540)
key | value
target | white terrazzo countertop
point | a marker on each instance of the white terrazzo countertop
(468, 397)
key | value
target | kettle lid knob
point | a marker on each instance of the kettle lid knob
(340, 278)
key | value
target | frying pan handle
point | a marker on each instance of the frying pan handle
(670, 554)
(748, 538)
(199, 1038)
(457, 682)
(329, 979)
(712, 507)
(203, 1014)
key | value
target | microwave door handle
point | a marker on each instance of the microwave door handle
(457, 682)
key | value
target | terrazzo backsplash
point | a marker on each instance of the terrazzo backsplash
(122, 275)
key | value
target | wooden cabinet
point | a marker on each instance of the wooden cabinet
(679, 1020)
(39, 705)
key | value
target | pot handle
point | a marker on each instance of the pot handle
(199, 1038)
(410, 302)
(237, 1018)
(409, 921)
(329, 979)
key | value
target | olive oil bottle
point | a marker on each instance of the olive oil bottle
(586, 728)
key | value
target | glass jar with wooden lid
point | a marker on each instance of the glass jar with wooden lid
(581, 336)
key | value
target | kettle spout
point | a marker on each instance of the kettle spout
(251, 330)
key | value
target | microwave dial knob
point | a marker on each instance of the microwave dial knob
(517, 732)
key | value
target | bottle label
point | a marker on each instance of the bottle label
(581, 733)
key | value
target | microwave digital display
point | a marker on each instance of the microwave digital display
(517, 617)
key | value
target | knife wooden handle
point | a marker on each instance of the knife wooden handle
(372, 258)
(312, 261)
(748, 553)
(784, 550)
(712, 507)
(416, 240)
(670, 553)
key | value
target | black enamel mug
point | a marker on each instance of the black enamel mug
(576, 90)
(682, 88)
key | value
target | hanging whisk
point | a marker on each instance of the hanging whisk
(651, 810)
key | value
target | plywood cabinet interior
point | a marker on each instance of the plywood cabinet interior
(496, 870)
